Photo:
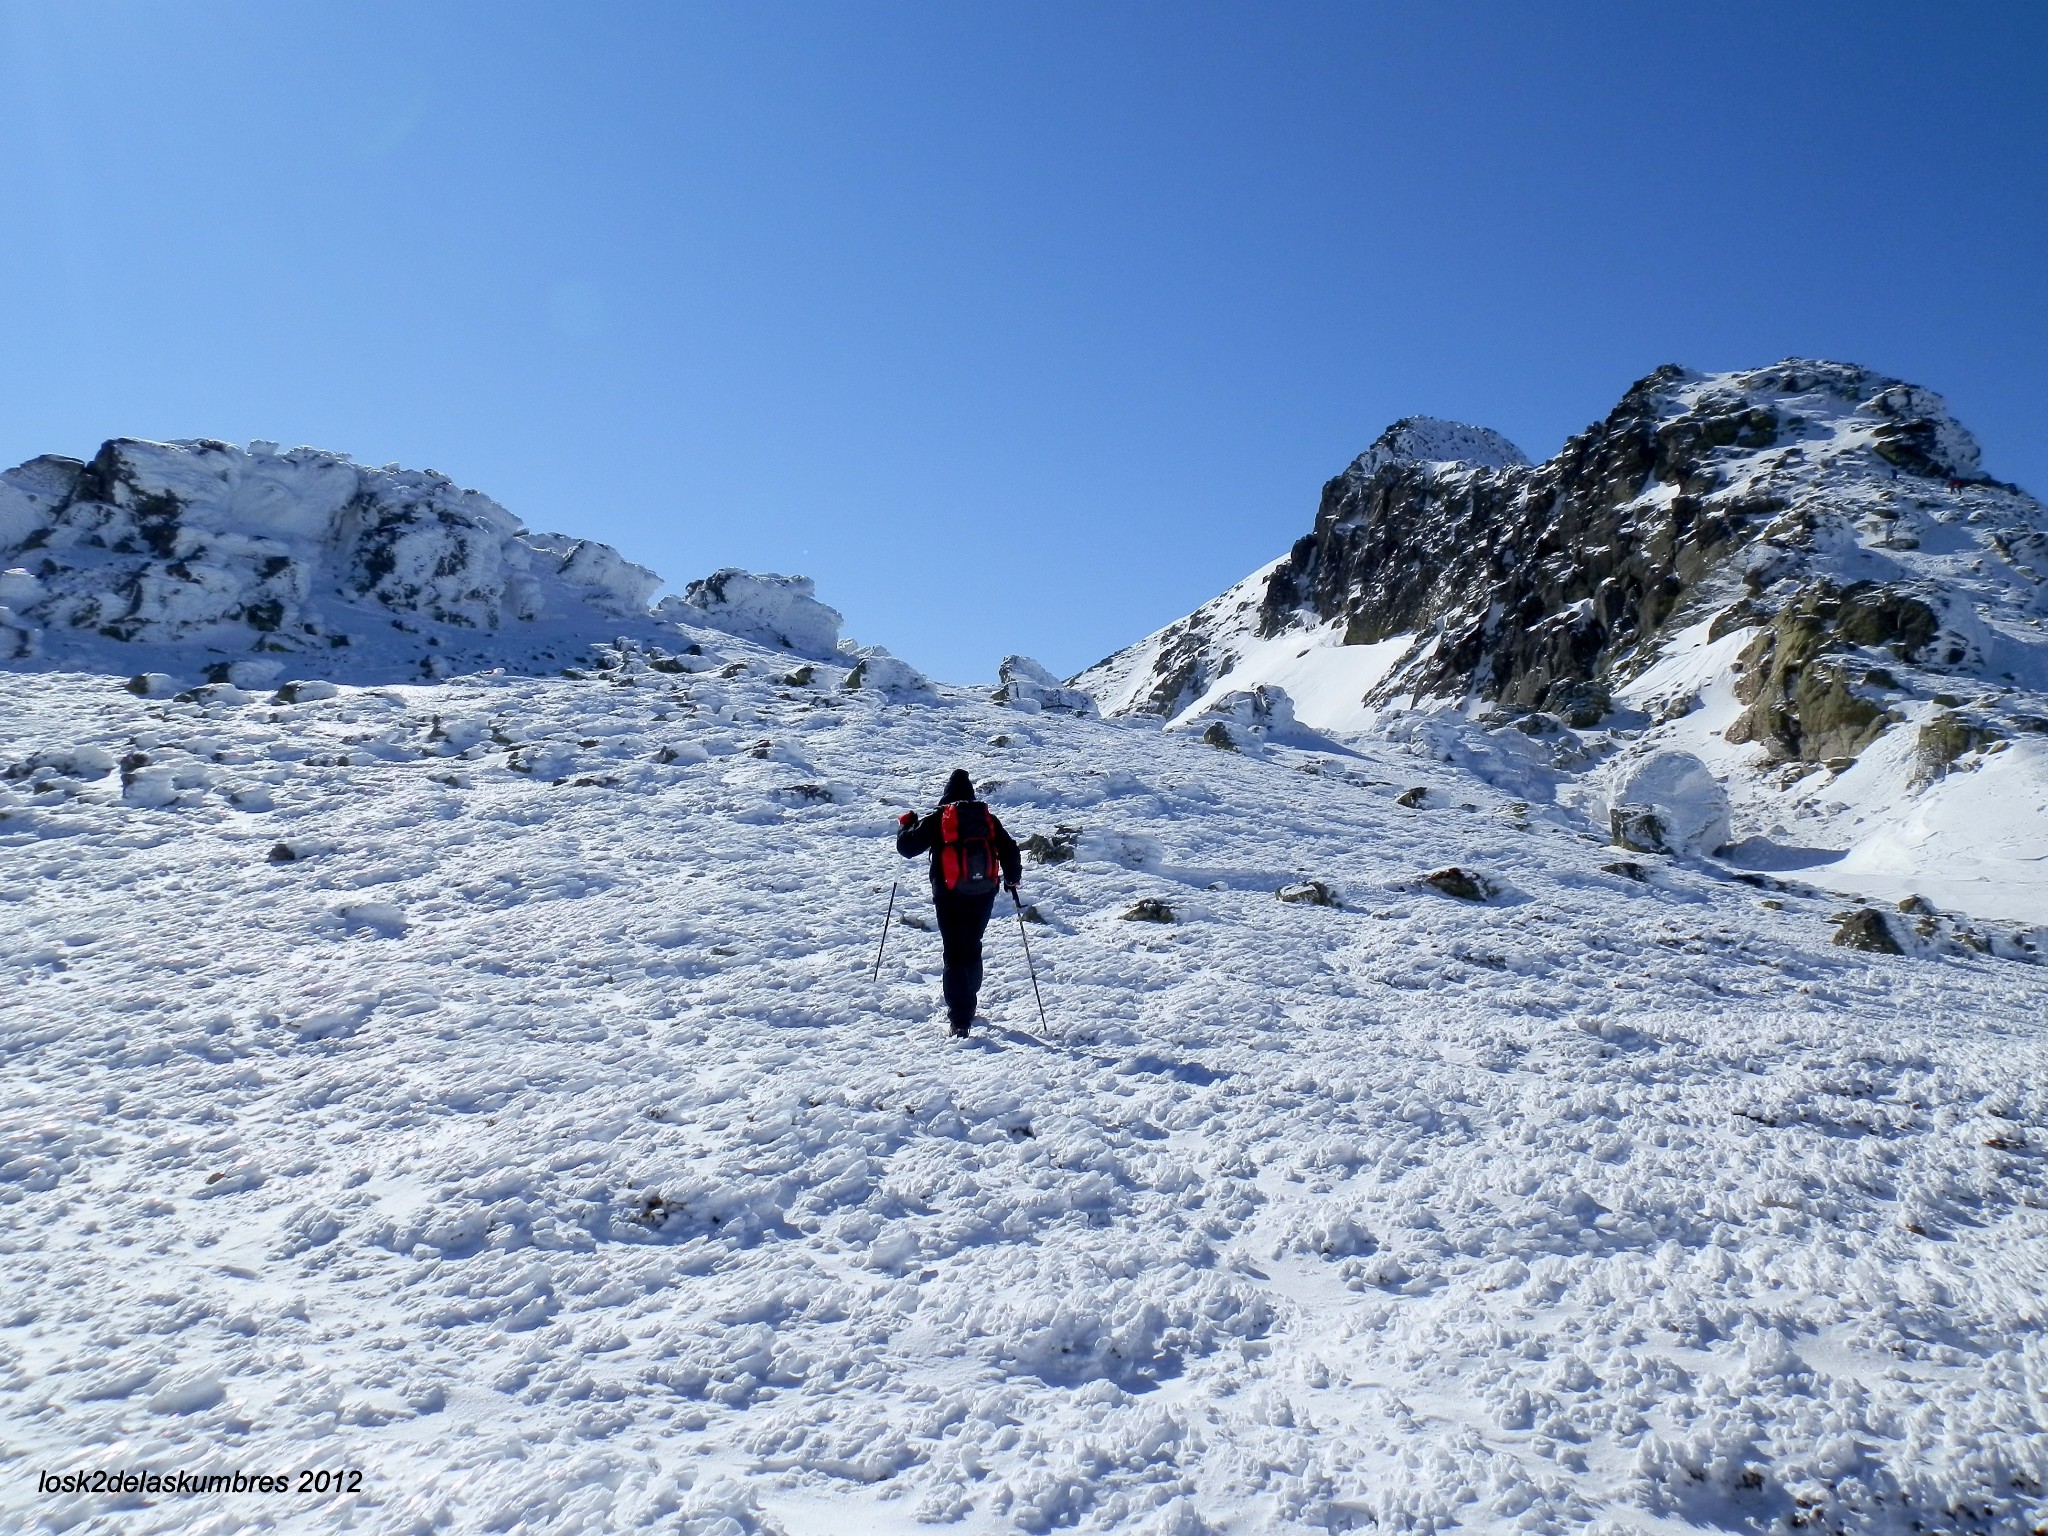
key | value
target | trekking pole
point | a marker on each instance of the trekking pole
(1019, 905)
(887, 918)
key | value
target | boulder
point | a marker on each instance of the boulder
(305, 690)
(1149, 909)
(1865, 928)
(1462, 884)
(1312, 893)
(1243, 720)
(1057, 848)
(20, 589)
(1667, 802)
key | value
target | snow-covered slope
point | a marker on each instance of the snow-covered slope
(1799, 574)
(479, 1085)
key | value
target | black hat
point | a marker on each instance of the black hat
(958, 787)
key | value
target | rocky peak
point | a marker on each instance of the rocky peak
(1426, 440)
(1809, 489)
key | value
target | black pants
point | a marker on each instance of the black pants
(961, 921)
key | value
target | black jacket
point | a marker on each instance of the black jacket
(923, 837)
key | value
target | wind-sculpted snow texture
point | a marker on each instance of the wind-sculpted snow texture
(206, 555)
(479, 1083)
(1799, 574)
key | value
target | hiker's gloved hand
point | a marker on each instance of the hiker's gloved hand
(1011, 887)
(907, 819)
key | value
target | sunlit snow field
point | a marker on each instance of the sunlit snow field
(534, 1140)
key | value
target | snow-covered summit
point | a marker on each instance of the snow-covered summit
(1426, 440)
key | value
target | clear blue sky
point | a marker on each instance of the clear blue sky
(1018, 326)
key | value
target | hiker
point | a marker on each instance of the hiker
(971, 855)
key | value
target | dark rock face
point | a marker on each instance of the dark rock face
(1637, 828)
(1538, 580)
(1947, 737)
(1803, 706)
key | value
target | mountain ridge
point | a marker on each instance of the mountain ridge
(1535, 540)
(1798, 574)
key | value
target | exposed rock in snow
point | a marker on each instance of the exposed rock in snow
(1023, 684)
(19, 639)
(1667, 802)
(1866, 929)
(1462, 884)
(1313, 893)
(776, 610)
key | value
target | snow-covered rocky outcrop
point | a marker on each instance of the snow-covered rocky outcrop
(192, 558)
(1798, 574)
(1248, 720)
(776, 610)
(1024, 684)
(875, 668)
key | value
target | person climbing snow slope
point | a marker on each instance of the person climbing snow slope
(971, 858)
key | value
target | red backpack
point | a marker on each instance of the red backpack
(968, 865)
